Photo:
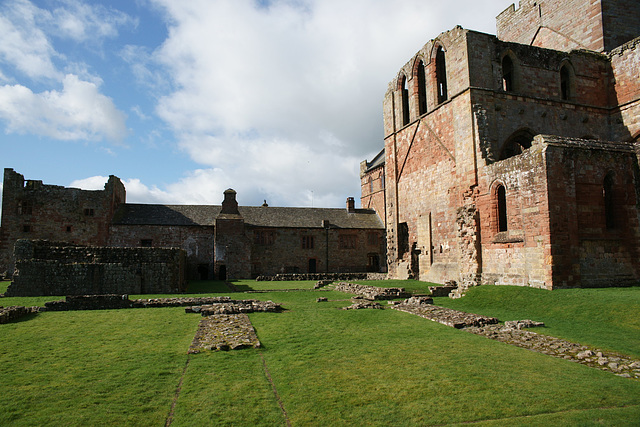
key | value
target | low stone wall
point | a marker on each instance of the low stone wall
(371, 292)
(10, 314)
(50, 268)
(324, 276)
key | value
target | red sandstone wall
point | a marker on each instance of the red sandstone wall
(372, 189)
(625, 63)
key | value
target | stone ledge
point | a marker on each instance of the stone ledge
(10, 314)
(370, 292)
(224, 332)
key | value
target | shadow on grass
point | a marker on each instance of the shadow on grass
(207, 287)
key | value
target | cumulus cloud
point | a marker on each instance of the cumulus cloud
(78, 112)
(285, 97)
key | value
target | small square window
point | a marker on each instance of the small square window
(89, 212)
(26, 228)
(68, 229)
(146, 243)
(307, 242)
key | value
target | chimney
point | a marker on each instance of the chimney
(229, 204)
(351, 205)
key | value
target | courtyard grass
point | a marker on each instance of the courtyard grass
(329, 367)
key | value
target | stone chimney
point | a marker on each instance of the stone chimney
(229, 204)
(351, 205)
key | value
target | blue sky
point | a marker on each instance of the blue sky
(181, 99)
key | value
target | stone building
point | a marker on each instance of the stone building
(220, 241)
(513, 159)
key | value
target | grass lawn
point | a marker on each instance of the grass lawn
(329, 367)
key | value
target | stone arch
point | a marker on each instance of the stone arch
(420, 79)
(438, 57)
(516, 143)
(403, 88)
(510, 71)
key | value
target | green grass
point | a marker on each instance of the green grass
(267, 285)
(605, 317)
(329, 366)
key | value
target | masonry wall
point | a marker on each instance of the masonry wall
(372, 191)
(196, 241)
(585, 251)
(625, 63)
(334, 250)
(33, 210)
(50, 268)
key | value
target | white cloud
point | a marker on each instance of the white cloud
(78, 112)
(85, 22)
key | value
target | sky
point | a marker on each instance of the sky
(181, 99)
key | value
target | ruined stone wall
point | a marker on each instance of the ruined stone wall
(625, 63)
(196, 241)
(289, 251)
(33, 210)
(519, 255)
(50, 268)
(372, 191)
(586, 251)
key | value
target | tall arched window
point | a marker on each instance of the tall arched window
(609, 205)
(508, 74)
(567, 89)
(501, 195)
(422, 89)
(441, 75)
(405, 101)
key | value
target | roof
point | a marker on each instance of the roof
(378, 160)
(257, 216)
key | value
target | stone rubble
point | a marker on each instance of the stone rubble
(446, 316)
(10, 314)
(224, 332)
(235, 307)
(360, 304)
(371, 292)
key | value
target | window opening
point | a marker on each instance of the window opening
(89, 212)
(313, 265)
(405, 101)
(516, 144)
(308, 242)
(263, 237)
(507, 74)
(441, 75)
(25, 208)
(403, 239)
(146, 243)
(607, 193)
(422, 90)
(68, 229)
(372, 239)
(26, 229)
(348, 241)
(565, 83)
(502, 208)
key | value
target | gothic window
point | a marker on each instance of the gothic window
(501, 195)
(508, 74)
(441, 75)
(516, 144)
(609, 206)
(405, 101)
(422, 89)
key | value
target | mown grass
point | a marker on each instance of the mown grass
(267, 285)
(329, 367)
(608, 318)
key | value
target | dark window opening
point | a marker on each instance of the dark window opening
(263, 237)
(372, 239)
(405, 101)
(403, 239)
(89, 212)
(308, 242)
(441, 75)
(501, 193)
(222, 272)
(516, 144)
(68, 229)
(373, 263)
(313, 265)
(25, 208)
(566, 82)
(422, 90)
(507, 74)
(146, 243)
(609, 205)
(26, 229)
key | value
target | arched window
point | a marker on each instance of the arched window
(441, 75)
(508, 74)
(501, 195)
(516, 143)
(567, 82)
(405, 101)
(422, 89)
(609, 206)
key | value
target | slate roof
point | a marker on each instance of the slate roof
(378, 160)
(257, 216)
